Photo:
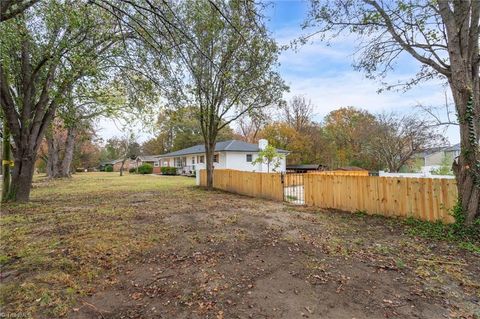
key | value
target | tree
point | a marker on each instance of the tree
(350, 130)
(443, 36)
(12, 8)
(224, 66)
(250, 124)
(397, 138)
(44, 51)
(284, 136)
(104, 95)
(269, 156)
(128, 148)
(298, 113)
(6, 160)
(178, 128)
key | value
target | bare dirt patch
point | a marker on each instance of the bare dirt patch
(217, 255)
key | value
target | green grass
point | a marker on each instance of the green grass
(74, 230)
(466, 237)
(291, 197)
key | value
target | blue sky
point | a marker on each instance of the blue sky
(324, 73)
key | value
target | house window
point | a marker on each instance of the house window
(178, 161)
(156, 163)
(202, 159)
(215, 158)
(193, 160)
(249, 157)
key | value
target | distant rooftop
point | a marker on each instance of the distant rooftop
(148, 158)
(225, 146)
(437, 149)
(306, 167)
(453, 148)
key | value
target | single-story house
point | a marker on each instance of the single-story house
(103, 164)
(233, 154)
(149, 159)
(117, 164)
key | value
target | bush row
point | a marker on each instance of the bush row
(168, 170)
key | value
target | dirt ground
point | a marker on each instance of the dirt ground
(219, 255)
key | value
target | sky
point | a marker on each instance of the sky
(323, 73)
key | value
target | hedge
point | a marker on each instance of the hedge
(145, 169)
(109, 168)
(168, 170)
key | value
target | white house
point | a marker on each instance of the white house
(433, 158)
(231, 154)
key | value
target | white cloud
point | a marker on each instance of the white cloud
(323, 73)
(108, 128)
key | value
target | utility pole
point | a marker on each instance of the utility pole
(6, 161)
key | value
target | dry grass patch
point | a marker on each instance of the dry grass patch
(55, 249)
(100, 245)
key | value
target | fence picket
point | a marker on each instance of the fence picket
(421, 198)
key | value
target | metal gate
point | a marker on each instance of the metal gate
(293, 189)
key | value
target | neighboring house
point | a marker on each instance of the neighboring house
(433, 158)
(149, 159)
(129, 163)
(103, 164)
(231, 154)
(117, 164)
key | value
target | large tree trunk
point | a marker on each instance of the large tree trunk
(60, 154)
(121, 167)
(68, 155)
(209, 153)
(22, 175)
(462, 30)
(6, 158)
(467, 166)
(52, 159)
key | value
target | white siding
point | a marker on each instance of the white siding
(230, 160)
(222, 161)
(238, 161)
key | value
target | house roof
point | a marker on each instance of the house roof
(148, 158)
(103, 163)
(433, 150)
(453, 148)
(305, 167)
(225, 146)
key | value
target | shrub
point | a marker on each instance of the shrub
(132, 170)
(145, 169)
(169, 170)
(109, 168)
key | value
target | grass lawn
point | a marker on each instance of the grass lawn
(101, 245)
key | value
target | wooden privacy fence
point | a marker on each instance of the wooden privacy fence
(340, 173)
(422, 198)
(295, 179)
(264, 185)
